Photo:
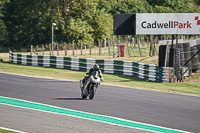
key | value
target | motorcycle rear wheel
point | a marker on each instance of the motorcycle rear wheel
(83, 95)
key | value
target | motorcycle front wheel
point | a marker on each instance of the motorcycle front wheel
(91, 95)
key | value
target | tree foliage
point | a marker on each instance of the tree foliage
(29, 22)
(2, 26)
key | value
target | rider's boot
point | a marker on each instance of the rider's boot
(82, 85)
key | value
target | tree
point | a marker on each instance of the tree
(78, 30)
(29, 22)
(174, 6)
(65, 9)
(2, 26)
(102, 25)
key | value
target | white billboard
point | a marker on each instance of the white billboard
(167, 23)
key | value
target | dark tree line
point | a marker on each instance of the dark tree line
(28, 22)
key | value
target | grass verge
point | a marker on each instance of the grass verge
(6, 131)
(192, 88)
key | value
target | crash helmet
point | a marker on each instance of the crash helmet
(96, 67)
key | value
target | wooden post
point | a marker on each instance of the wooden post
(143, 41)
(81, 47)
(65, 48)
(90, 48)
(73, 48)
(99, 47)
(135, 42)
(109, 41)
(113, 46)
(157, 40)
(139, 48)
(57, 49)
(50, 49)
(31, 50)
(128, 48)
(85, 49)
(105, 43)
(132, 41)
(37, 49)
(151, 46)
(42, 49)
(147, 41)
(155, 49)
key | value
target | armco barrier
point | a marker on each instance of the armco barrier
(140, 70)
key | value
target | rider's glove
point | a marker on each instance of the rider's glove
(101, 78)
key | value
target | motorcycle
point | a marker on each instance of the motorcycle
(90, 86)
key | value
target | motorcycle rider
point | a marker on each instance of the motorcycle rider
(89, 73)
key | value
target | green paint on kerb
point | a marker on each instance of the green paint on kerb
(51, 109)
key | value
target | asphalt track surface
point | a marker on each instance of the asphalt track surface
(152, 107)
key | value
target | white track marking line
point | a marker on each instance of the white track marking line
(89, 118)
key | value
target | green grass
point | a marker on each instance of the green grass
(186, 88)
(6, 131)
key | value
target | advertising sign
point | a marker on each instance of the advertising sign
(167, 23)
(124, 24)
